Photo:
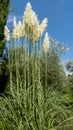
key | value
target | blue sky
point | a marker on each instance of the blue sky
(60, 19)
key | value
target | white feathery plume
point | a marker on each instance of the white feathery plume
(46, 43)
(18, 30)
(7, 33)
(43, 25)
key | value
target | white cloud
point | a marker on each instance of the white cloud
(11, 17)
(10, 20)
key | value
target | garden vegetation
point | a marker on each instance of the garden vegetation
(37, 91)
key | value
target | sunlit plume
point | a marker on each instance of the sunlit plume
(31, 23)
(46, 43)
(28, 15)
(43, 25)
(32, 26)
(7, 33)
(18, 30)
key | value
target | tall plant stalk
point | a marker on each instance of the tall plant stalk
(17, 70)
(33, 81)
(28, 74)
(10, 69)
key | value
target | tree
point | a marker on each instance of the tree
(69, 68)
(4, 10)
(56, 77)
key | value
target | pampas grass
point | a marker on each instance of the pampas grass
(27, 104)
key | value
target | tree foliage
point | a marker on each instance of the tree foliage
(69, 68)
(56, 77)
(4, 10)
